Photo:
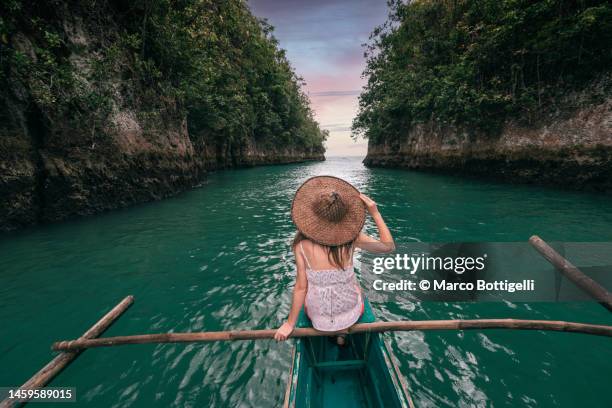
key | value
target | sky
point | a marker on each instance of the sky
(323, 40)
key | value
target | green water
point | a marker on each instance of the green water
(217, 258)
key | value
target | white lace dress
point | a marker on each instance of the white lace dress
(333, 300)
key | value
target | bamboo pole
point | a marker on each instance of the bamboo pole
(199, 337)
(594, 289)
(55, 366)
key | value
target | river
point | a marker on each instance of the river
(217, 257)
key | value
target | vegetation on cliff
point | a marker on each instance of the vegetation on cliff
(104, 104)
(479, 63)
(210, 61)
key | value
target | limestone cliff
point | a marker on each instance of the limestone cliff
(91, 119)
(48, 178)
(571, 148)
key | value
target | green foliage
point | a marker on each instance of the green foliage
(478, 63)
(210, 61)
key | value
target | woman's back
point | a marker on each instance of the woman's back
(319, 259)
(333, 300)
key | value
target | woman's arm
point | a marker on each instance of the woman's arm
(299, 294)
(368, 243)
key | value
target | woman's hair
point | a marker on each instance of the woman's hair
(336, 254)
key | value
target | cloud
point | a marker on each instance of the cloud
(339, 127)
(336, 93)
(346, 147)
(323, 39)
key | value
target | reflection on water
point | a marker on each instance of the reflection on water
(218, 258)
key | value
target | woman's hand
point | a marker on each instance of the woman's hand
(283, 332)
(369, 203)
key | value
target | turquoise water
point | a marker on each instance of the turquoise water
(218, 258)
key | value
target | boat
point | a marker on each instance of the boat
(361, 373)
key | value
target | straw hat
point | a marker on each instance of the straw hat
(328, 210)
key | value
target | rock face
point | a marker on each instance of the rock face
(572, 150)
(93, 157)
(46, 178)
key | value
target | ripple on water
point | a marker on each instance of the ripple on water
(218, 258)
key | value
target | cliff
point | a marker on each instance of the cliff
(518, 91)
(572, 149)
(123, 166)
(104, 105)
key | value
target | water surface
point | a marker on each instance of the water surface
(218, 258)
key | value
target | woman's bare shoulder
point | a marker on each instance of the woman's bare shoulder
(304, 243)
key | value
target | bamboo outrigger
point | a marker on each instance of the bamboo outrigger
(370, 375)
(376, 327)
(592, 288)
(61, 361)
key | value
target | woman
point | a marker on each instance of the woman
(329, 214)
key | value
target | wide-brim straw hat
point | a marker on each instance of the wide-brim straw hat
(328, 210)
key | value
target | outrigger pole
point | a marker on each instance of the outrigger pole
(55, 366)
(594, 289)
(411, 325)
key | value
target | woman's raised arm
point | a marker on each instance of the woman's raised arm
(371, 244)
